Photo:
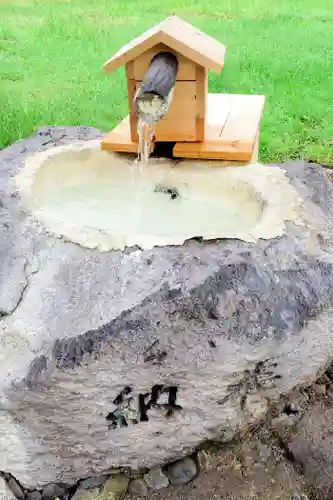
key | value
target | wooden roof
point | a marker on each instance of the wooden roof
(179, 36)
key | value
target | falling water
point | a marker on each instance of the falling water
(145, 133)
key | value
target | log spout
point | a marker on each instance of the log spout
(153, 98)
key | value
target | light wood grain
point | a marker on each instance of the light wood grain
(179, 123)
(186, 69)
(183, 103)
(239, 129)
(220, 143)
(201, 101)
(131, 89)
(193, 44)
(183, 129)
(119, 139)
(177, 35)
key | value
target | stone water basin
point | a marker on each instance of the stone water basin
(107, 201)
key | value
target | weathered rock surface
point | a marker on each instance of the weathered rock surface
(132, 359)
(5, 493)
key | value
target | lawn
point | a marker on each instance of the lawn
(52, 51)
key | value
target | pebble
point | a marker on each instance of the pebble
(264, 452)
(226, 435)
(52, 491)
(115, 487)
(282, 423)
(256, 405)
(156, 479)
(182, 472)
(93, 482)
(205, 461)
(138, 488)
(320, 390)
(80, 494)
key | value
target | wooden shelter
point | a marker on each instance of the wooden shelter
(214, 126)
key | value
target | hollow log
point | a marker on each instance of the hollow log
(155, 93)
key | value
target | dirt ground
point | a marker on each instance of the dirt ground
(291, 459)
(256, 470)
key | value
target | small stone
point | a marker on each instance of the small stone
(182, 472)
(94, 482)
(225, 436)
(33, 495)
(138, 488)
(264, 452)
(156, 479)
(115, 487)
(52, 491)
(204, 460)
(320, 390)
(282, 423)
(81, 494)
(256, 405)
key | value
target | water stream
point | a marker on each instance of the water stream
(145, 133)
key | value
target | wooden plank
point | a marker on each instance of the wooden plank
(237, 137)
(186, 69)
(201, 101)
(255, 152)
(167, 129)
(119, 139)
(131, 89)
(243, 121)
(133, 49)
(179, 123)
(179, 36)
(218, 110)
(193, 44)
(129, 70)
(183, 102)
(213, 147)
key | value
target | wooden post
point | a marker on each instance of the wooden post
(201, 97)
(154, 95)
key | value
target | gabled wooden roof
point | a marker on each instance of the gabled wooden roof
(179, 36)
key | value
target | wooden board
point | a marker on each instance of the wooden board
(179, 36)
(232, 131)
(201, 102)
(193, 44)
(180, 119)
(119, 139)
(186, 68)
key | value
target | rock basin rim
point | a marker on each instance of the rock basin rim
(106, 201)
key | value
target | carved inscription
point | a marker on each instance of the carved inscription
(261, 377)
(131, 410)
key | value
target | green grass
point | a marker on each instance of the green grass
(51, 53)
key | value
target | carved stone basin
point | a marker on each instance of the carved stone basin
(132, 359)
(107, 201)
